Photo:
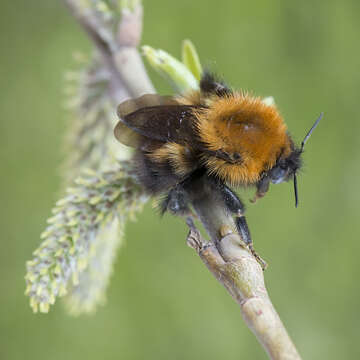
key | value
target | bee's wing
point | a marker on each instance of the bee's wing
(156, 117)
(126, 136)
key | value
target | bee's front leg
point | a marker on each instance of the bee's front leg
(236, 207)
(262, 188)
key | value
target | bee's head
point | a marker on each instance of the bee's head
(286, 168)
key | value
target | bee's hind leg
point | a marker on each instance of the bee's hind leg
(236, 207)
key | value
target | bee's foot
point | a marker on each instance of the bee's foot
(258, 258)
(256, 197)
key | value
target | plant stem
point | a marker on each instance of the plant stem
(120, 55)
(235, 267)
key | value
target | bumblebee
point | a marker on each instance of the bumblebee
(231, 138)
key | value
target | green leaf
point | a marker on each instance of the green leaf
(190, 58)
(174, 71)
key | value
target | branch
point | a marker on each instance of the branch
(233, 265)
(119, 53)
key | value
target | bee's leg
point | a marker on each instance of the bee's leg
(262, 188)
(176, 202)
(236, 207)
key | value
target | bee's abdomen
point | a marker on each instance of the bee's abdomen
(181, 158)
(154, 177)
(162, 168)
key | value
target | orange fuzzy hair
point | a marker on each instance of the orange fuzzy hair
(242, 125)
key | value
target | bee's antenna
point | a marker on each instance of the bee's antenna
(306, 138)
(296, 191)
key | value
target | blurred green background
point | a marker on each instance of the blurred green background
(162, 302)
